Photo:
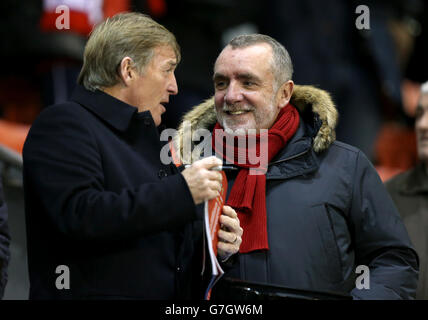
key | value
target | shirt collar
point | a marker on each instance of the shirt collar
(114, 111)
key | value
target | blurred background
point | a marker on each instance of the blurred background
(373, 74)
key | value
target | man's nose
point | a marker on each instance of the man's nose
(233, 93)
(172, 86)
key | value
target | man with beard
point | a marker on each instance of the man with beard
(409, 192)
(312, 209)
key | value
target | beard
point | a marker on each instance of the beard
(250, 122)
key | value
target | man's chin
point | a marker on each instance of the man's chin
(238, 128)
(240, 131)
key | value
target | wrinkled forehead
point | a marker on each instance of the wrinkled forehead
(256, 55)
(251, 62)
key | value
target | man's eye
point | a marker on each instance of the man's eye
(220, 84)
(249, 83)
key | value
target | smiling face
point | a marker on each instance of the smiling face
(151, 90)
(245, 96)
(421, 127)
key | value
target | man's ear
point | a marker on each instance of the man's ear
(284, 93)
(126, 71)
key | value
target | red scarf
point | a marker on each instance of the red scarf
(248, 194)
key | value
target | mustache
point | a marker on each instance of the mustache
(236, 107)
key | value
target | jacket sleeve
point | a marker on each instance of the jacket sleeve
(381, 239)
(4, 243)
(63, 175)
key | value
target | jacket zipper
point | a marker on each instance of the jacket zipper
(290, 158)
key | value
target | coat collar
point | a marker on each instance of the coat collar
(297, 158)
(416, 182)
(114, 111)
(317, 127)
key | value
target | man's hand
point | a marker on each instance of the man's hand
(203, 183)
(230, 234)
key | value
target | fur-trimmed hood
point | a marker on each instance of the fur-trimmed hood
(203, 116)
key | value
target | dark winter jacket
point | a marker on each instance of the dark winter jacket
(99, 202)
(409, 191)
(4, 243)
(327, 212)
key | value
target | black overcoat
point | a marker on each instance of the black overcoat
(100, 202)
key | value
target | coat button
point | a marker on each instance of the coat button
(147, 122)
(178, 269)
(162, 173)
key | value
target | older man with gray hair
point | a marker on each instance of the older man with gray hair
(105, 218)
(409, 190)
(318, 216)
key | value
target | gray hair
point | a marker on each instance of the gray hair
(282, 67)
(133, 35)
